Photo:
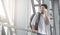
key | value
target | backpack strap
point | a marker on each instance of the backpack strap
(37, 21)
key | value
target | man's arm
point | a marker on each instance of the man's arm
(33, 29)
(33, 24)
(46, 21)
(47, 18)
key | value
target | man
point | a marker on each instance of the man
(42, 22)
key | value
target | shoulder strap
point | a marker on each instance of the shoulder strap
(38, 18)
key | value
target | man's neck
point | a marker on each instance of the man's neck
(42, 12)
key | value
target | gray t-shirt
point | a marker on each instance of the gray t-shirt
(42, 25)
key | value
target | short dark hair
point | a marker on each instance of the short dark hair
(44, 5)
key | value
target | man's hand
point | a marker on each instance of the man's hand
(46, 16)
(45, 12)
(35, 31)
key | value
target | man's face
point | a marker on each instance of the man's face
(42, 9)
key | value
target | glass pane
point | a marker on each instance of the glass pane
(36, 2)
(36, 9)
(50, 5)
(31, 10)
(7, 10)
(2, 12)
(5, 28)
(9, 6)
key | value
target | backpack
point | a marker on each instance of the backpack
(37, 21)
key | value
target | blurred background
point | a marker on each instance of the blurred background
(15, 16)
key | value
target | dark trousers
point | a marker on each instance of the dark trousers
(40, 34)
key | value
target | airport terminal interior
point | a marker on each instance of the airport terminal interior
(15, 16)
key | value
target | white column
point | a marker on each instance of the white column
(22, 12)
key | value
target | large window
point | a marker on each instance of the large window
(7, 9)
